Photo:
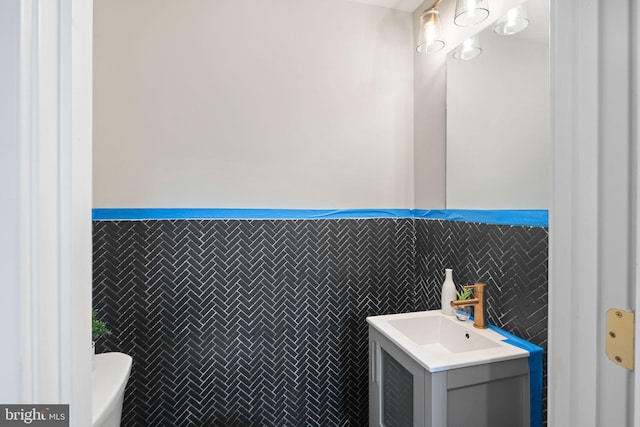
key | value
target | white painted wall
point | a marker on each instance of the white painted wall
(406, 5)
(10, 361)
(498, 136)
(429, 124)
(252, 104)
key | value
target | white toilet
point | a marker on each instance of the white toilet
(110, 375)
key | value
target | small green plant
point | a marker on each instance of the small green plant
(465, 293)
(98, 327)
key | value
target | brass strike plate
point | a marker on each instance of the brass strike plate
(620, 337)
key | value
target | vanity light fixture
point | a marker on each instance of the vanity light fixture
(469, 49)
(470, 12)
(513, 22)
(431, 38)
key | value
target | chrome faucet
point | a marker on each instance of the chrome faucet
(477, 302)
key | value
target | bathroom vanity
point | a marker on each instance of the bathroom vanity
(431, 370)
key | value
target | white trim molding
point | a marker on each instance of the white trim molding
(635, 137)
(10, 356)
(592, 218)
(55, 203)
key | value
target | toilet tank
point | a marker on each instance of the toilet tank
(110, 375)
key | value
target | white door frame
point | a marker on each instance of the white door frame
(593, 212)
(635, 114)
(53, 201)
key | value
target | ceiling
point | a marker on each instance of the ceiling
(404, 5)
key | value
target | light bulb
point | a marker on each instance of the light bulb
(470, 12)
(431, 39)
(469, 49)
(430, 33)
(513, 22)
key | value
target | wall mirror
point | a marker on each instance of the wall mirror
(498, 119)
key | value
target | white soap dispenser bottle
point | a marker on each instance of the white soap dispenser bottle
(448, 293)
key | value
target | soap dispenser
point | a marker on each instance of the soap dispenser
(448, 293)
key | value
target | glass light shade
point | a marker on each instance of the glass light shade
(469, 49)
(431, 39)
(513, 22)
(470, 12)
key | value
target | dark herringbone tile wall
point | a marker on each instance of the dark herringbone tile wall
(249, 323)
(262, 322)
(511, 260)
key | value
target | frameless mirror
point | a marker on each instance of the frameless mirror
(498, 113)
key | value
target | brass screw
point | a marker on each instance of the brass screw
(618, 359)
(612, 334)
(619, 314)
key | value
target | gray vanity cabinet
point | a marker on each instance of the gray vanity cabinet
(402, 393)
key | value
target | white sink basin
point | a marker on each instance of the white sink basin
(439, 342)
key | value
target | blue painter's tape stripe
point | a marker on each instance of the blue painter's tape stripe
(535, 373)
(520, 217)
(534, 218)
(162, 213)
